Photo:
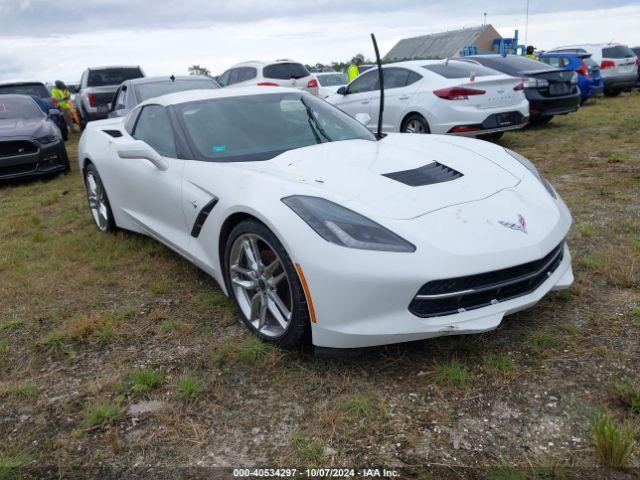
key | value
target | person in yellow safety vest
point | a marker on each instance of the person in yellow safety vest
(530, 54)
(354, 71)
(61, 93)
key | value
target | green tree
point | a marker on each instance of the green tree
(199, 70)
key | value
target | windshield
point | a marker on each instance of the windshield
(333, 79)
(156, 89)
(112, 76)
(19, 108)
(260, 127)
(37, 89)
(512, 64)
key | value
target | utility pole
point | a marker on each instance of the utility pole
(485, 19)
(526, 26)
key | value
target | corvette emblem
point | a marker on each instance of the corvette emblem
(521, 226)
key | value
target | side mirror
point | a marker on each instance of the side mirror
(363, 118)
(54, 111)
(139, 149)
(342, 90)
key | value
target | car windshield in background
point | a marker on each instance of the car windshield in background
(112, 76)
(514, 64)
(156, 89)
(285, 71)
(260, 127)
(618, 51)
(19, 108)
(460, 69)
(36, 89)
(333, 79)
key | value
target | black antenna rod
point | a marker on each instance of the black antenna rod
(381, 76)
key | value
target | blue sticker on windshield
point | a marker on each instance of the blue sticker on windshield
(218, 148)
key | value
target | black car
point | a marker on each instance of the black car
(133, 92)
(30, 143)
(550, 91)
(41, 95)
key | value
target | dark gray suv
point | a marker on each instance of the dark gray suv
(97, 87)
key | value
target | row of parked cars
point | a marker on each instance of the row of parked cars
(482, 95)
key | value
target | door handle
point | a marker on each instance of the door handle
(366, 102)
(404, 97)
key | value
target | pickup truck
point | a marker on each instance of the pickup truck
(97, 87)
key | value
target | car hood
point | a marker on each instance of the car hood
(352, 173)
(18, 127)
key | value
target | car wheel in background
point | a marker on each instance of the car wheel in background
(98, 200)
(611, 93)
(491, 137)
(415, 123)
(265, 286)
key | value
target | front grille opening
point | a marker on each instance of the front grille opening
(454, 295)
(426, 175)
(16, 148)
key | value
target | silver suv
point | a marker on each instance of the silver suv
(281, 73)
(97, 86)
(618, 64)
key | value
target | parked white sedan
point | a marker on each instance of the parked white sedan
(330, 82)
(321, 232)
(438, 96)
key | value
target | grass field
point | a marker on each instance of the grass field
(116, 353)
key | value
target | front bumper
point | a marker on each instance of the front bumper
(42, 159)
(363, 298)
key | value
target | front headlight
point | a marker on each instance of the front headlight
(531, 167)
(344, 227)
(47, 139)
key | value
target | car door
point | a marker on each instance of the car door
(154, 195)
(400, 85)
(358, 95)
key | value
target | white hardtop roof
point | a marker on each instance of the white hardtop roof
(207, 94)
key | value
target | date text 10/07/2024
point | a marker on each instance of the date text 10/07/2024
(315, 472)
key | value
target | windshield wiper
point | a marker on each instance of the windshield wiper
(313, 122)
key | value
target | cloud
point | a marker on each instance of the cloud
(322, 36)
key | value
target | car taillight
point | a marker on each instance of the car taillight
(519, 87)
(583, 69)
(607, 64)
(92, 99)
(55, 101)
(457, 93)
(268, 84)
(313, 83)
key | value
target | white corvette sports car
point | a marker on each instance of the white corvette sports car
(319, 231)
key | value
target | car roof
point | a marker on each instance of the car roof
(207, 94)
(4, 84)
(112, 66)
(262, 63)
(328, 73)
(143, 80)
(17, 96)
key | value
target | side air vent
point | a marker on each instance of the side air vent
(113, 133)
(427, 175)
(202, 217)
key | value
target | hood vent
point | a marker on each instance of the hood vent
(427, 175)
(113, 133)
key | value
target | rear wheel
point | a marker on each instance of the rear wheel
(415, 123)
(98, 200)
(611, 93)
(491, 137)
(264, 285)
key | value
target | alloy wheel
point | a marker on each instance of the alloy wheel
(414, 126)
(260, 285)
(97, 201)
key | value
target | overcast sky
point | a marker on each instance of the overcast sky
(48, 40)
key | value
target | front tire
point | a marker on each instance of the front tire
(611, 93)
(415, 123)
(98, 200)
(541, 120)
(264, 285)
